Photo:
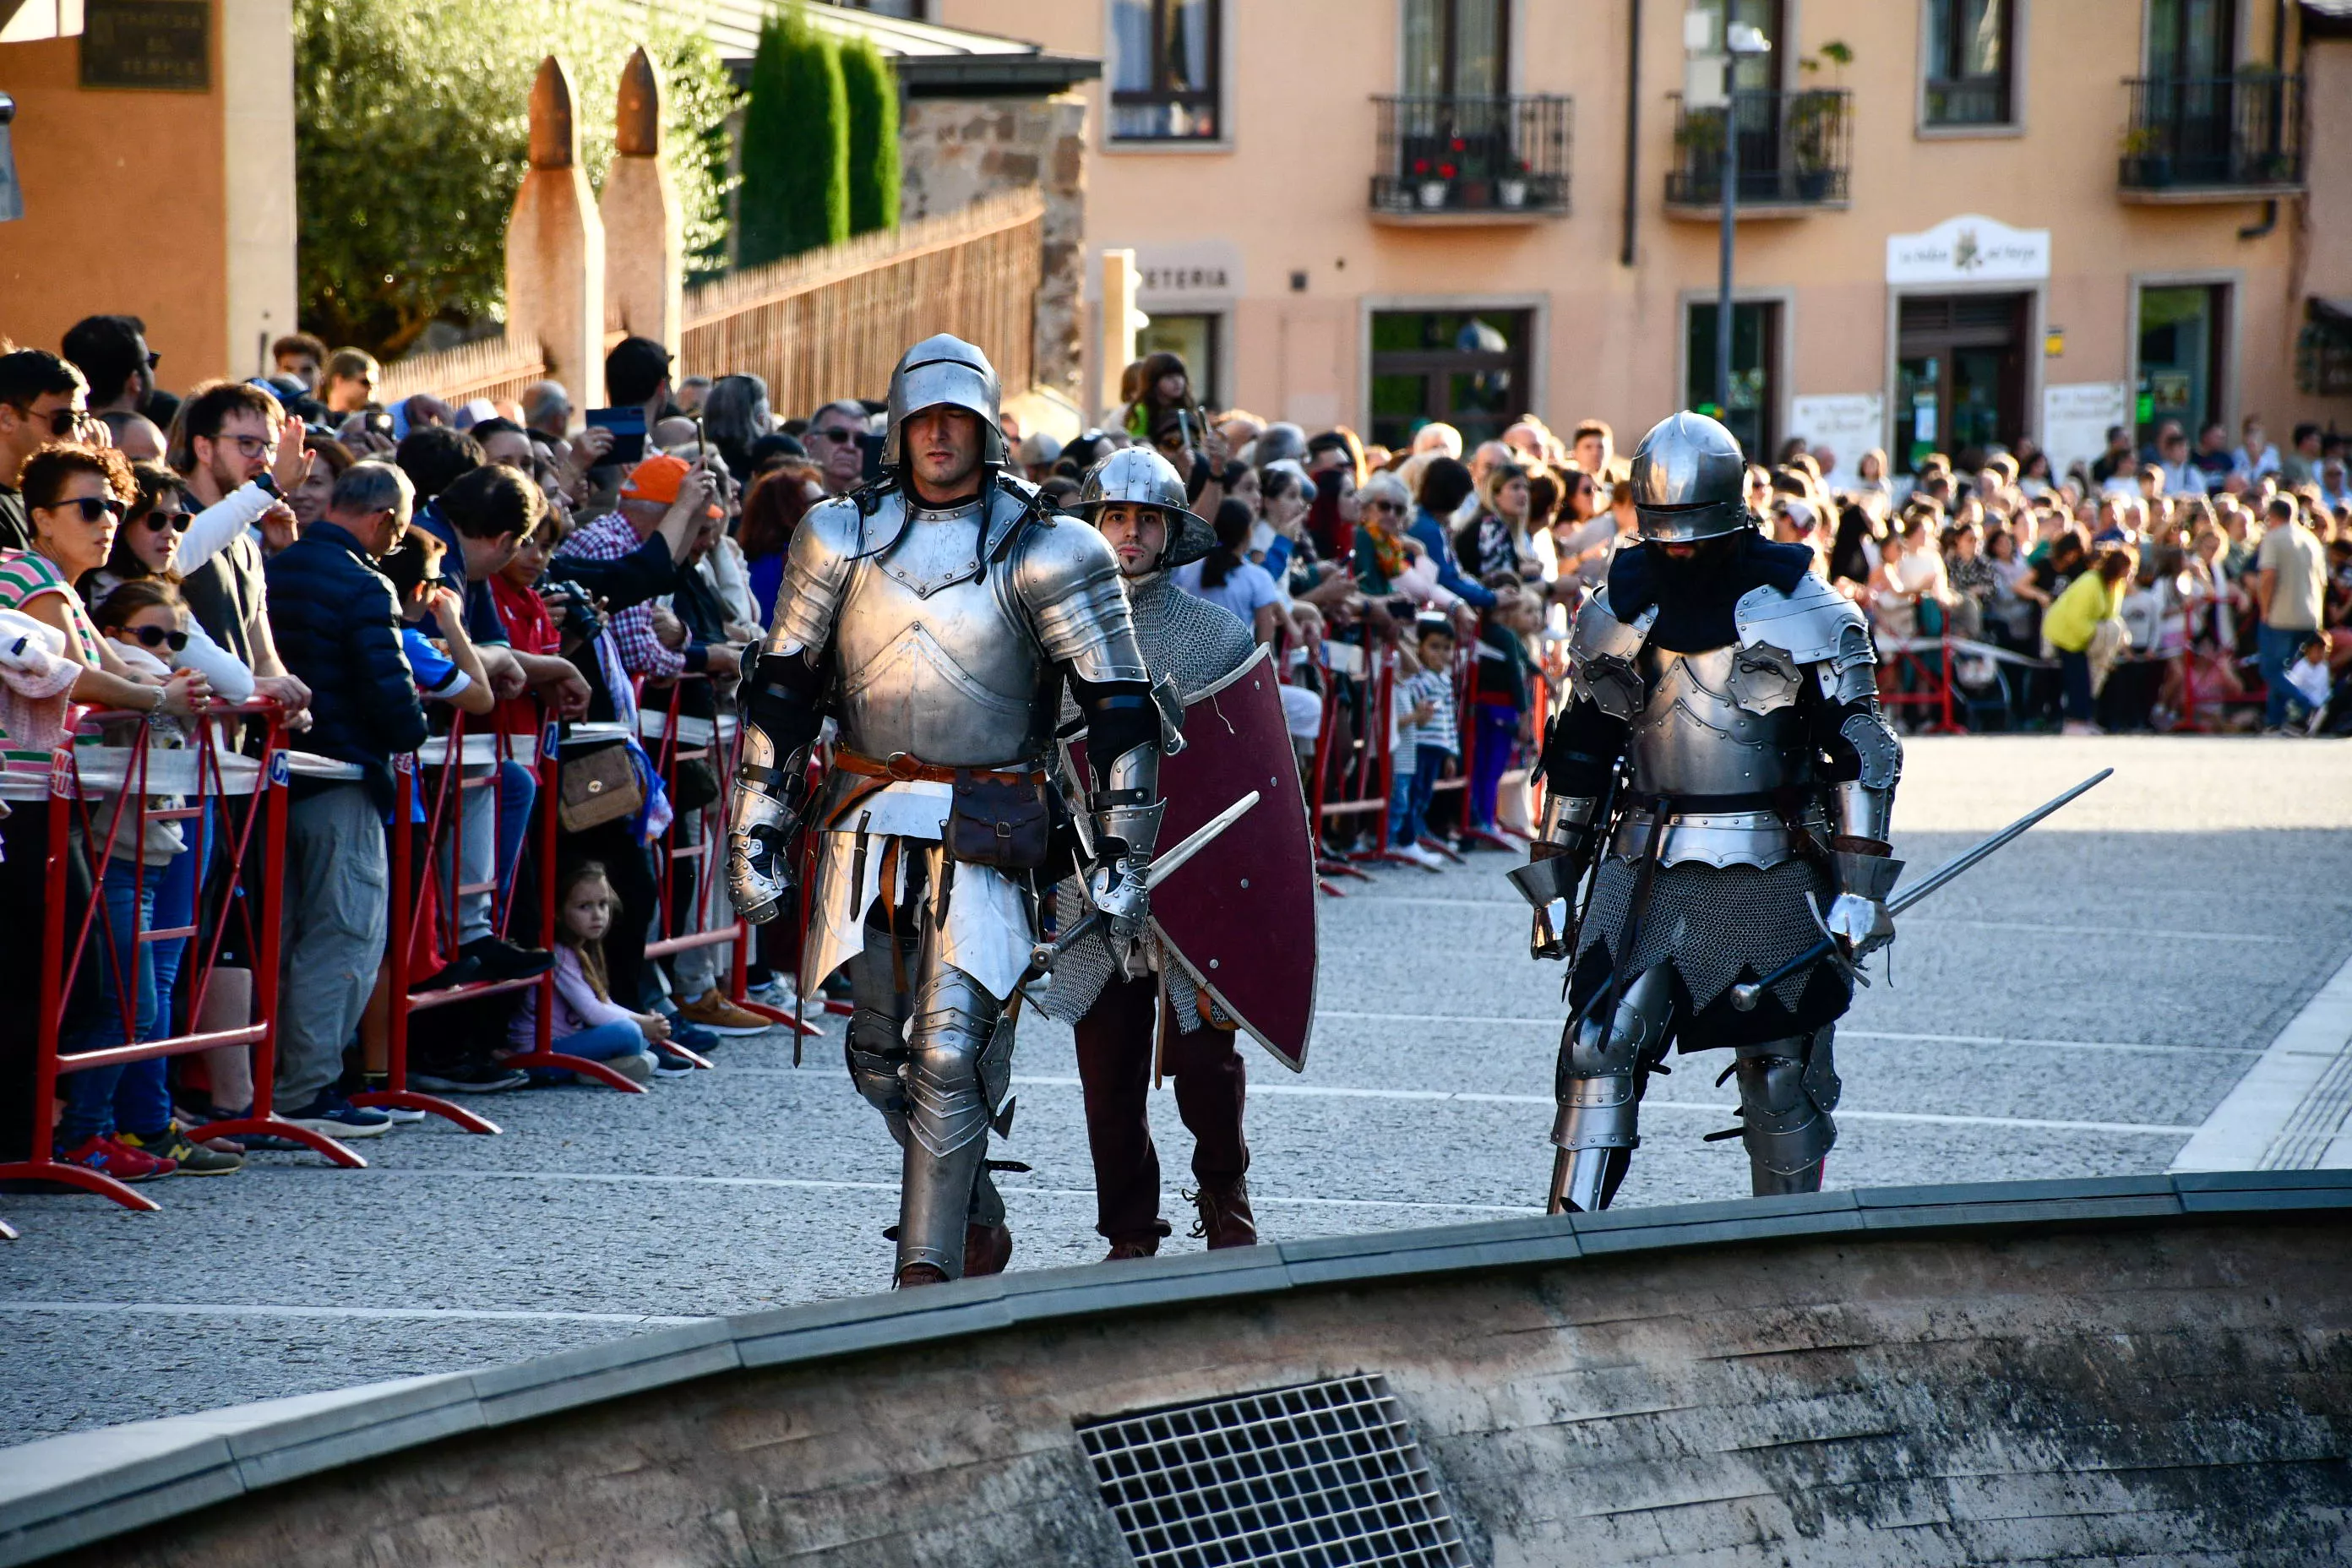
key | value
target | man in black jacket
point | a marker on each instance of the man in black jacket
(337, 627)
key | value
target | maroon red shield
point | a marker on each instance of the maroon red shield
(1240, 915)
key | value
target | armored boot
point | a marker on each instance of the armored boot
(1786, 1090)
(1601, 1072)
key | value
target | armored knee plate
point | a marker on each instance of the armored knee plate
(1598, 1085)
(1787, 1090)
(958, 1044)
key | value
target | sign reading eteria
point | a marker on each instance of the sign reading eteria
(1969, 250)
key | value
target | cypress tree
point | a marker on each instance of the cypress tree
(795, 193)
(873, 90)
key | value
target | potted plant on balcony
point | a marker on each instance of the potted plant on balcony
(1512, 188)
(1698, 138)
(2146, 163)
(1813, 133)
(1433, 183)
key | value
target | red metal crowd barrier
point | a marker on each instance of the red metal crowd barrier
(677, 739)
(211, 777)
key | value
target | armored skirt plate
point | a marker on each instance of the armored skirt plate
(988, 932)
(1708, 838)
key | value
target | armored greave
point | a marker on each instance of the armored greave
(1602, 1069)
(937, 1083)
(1787, 1090)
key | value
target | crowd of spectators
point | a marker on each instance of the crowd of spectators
(379, 575)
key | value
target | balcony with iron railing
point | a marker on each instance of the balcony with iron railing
(2195, 139)
(1795, 149)
(1471, 160)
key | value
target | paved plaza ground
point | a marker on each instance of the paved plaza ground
(2079, 1005)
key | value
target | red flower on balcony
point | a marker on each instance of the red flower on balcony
(1446, 171)
(1458, 144)
(1420, 165)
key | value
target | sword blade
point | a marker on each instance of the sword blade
(1163, 866)
(1745, 998)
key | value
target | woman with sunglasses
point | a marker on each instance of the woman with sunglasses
(147, 549)
(75, 496)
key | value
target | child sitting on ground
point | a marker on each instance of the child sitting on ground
(587, 1023)
(2308, 683)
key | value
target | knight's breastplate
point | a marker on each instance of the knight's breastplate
(1696, 736)
(933, 662)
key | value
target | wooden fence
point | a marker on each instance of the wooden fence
(487, 367)
(831, 324)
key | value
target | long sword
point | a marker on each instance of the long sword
(1745, 998)
(1043, 956)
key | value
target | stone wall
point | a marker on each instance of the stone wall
(956, 150)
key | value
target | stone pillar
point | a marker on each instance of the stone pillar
(645, 226)
(1119, 321)
(555, 247)
(256, 92)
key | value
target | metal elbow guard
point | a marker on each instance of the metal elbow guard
(762, 810)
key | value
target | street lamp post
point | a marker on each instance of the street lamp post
(1741, 41)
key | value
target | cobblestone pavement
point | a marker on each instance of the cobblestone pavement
(2076, 1007)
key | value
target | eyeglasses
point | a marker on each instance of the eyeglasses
(156, 637)
(63, 422)
(254, 446)
(153, 359)
(834, 433)
(92, 508)
(177, 521)
(1385, 505)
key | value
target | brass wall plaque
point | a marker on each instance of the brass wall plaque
(161, 46)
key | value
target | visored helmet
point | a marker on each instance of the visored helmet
(1690, 481)
(1139, 475)
(944, 369)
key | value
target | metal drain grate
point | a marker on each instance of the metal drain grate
(1315, 1476)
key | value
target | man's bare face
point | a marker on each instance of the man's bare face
(1592, 454)
(942, 447)
(242, 450)
(1139, 534)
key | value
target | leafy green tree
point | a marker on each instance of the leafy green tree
(412, 133)
(795, 144)
(872, 89)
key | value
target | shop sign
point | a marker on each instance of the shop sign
(1969, 250)
(159, 45)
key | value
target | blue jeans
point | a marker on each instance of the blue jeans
(125, 971)
(2274, 649)
(1410, 793)
(1496, 729)
(2074, 677)
(517, 788)
(620, 1037)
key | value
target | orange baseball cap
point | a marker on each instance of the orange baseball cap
(657, 480)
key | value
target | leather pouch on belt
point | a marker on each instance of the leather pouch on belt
(1004, 822)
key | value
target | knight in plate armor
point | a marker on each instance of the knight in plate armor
(1724, 780)
(1137, 500)
(938, 615)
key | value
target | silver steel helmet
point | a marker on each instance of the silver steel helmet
(944, 369)
(1141, 477)
(1690, 481)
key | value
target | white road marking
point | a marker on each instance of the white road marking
(2293, 1110)
(1843, 1033)
(377, 1314)
(1471, 1096)
(2034, 928)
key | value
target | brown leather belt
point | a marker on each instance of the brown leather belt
(903, 767)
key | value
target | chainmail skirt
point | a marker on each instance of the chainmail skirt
(1716, 926)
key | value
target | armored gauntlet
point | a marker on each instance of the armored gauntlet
(1126, 814)
(763, 811)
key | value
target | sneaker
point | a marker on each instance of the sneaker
(778, 992)
(1424, 859)
(470, 1076)
(667, 1063)
(714, 1011)
(638, 1066)
(336, 1117)
(500, 958)
(112, 1157)
(695, 1039)
(466, 971)
(400, 1115)
(194, 1159)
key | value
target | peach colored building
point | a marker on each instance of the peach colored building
(154, 142)
(1961, 220)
